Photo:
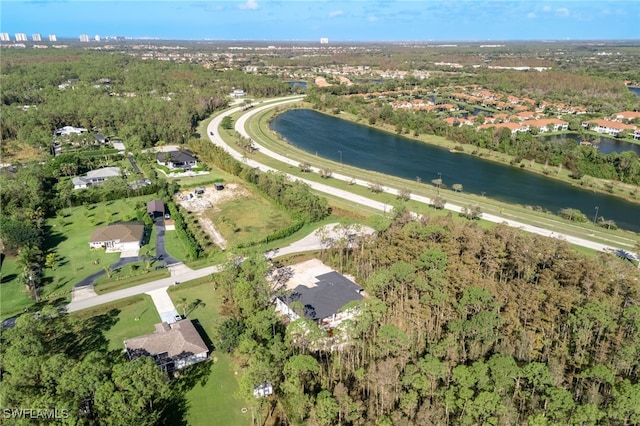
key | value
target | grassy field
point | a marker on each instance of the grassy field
(248, 219)
(68, 236)
(13, 295)
(211, 401)
(131, 317)
(125, 277)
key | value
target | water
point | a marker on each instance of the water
(635, 90)
(605, 145)
(366, 148)
(302, 84)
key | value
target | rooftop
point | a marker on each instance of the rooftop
(179, 339)
(123, 232)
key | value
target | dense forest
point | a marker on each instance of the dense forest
(141, 102)
(462, 325)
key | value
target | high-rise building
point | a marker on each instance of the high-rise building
(52, 37)
(97, 38)
(324, 40)
(84, 38)
(5, 37)
(21, 37)
(36, 37)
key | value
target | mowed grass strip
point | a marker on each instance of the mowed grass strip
(248, 219)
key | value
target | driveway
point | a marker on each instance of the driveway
(161, 252)
(83, 289)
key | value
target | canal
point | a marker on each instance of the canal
(367, 148)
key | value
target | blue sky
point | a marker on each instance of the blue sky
(347, 20)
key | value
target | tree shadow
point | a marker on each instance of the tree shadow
(7, 278)
(90, 337)
(53, 238)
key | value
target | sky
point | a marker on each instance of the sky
(346, 20)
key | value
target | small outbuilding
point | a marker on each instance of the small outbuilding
(155, 208)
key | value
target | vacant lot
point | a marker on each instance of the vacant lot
(235, 215)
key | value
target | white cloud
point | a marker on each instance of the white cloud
(563, 11)
(372, 18)
(250, 4)
(546, 9)
(335, 13)
(531, 15)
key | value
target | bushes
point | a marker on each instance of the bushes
(194, 249)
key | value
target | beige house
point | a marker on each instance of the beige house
(118, 237)
(173, 346)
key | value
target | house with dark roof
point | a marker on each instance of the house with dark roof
(172, 346)
(177, 160)
(118, 237)
(155, 208)
(320, 296)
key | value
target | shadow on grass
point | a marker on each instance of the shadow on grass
(176, 410)
(53, 238)
(91, 336)
(8, 278)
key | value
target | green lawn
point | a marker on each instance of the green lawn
(125, 277)
(211, 401)
(69, 236)
(134, 316)
(248, 219)
(13, 296)
(174, 245)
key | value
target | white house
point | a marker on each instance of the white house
(118, 237)
(177, 160)
(608, 127)
(68, 130)
(237, 93)
(172, 346)
(95, 177)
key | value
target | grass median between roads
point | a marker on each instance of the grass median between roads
(257, 127)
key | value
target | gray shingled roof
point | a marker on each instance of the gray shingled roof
(178, 340)
(331, 293)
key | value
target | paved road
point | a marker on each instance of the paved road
(240, 125)
(141, 289)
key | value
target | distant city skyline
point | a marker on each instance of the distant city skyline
(311, 20)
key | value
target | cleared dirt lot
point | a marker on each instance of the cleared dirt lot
(199, 203)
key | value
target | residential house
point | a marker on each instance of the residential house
(118, 237)
(95, 177)
(547, 124)
(172, 346)
(177, 160)
(627, 115)
(609, 127)
(513, 127)
(68, 130)
(321, 297)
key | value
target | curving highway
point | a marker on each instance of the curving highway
(240, 127)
